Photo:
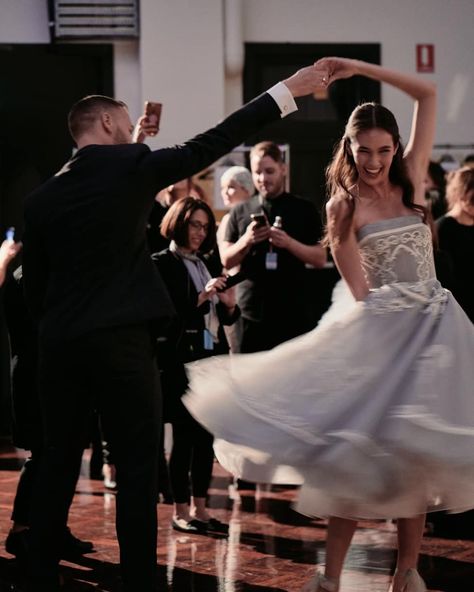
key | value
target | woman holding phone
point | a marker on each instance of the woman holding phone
(203, 306)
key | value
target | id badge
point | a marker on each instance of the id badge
(271, 260)
(208, 341)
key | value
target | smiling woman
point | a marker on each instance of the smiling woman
(365, 429)
(203, 305)
(373, 152)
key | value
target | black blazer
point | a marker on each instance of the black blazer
(85, 260)
(184, 341)
(189, 325)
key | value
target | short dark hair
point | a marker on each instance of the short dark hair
(267, 148)
(85, 113)
(174, 225)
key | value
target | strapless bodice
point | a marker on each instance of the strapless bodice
(396, 250)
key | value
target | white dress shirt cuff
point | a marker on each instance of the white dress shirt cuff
(283, 98)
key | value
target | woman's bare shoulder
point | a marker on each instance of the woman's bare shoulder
(340, 204)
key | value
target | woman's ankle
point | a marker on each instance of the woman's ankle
(182, 512)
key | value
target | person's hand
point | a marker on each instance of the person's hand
(213, 285)
(307, 80)
(256, 233)
(147, 125)
(279, 238)
(9, 249)
(336, 68)
(227, 297)
(210, 289)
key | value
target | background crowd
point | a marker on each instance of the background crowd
(268, 240)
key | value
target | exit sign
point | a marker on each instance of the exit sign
(425, 57)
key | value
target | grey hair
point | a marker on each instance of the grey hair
(241, 176)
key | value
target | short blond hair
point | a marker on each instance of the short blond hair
(241, 176)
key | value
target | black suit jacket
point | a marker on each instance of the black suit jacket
(86, 263)
(185, 338)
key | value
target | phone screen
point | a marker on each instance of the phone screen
(153, 108)
(260, 219)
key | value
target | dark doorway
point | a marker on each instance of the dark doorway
(318, 124)
(38, 85)
(313, 130)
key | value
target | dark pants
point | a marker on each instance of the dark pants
(113, 370)
(24, 492)
(191, 460)
(262, 336)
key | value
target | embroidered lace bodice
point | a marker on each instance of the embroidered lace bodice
(396, 250)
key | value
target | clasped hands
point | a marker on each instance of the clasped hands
(320, 75)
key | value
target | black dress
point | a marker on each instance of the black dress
(456, 243)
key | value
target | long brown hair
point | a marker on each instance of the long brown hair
(460, 185)
(342, 175)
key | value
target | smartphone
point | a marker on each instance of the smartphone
(260, 219)
(232, 280)
(153, 108)
(10, 234)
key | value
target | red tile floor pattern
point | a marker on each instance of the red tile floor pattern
(270, 548)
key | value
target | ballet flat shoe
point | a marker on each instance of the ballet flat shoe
(188, 526)
(320, 584)
(412, 582)
(212, 525)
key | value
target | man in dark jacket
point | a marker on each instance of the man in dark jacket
(95, 294)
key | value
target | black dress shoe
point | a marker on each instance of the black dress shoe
(17, 544)
(72, 546)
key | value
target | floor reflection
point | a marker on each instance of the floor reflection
(269, 547)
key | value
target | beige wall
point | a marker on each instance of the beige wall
(179, 59)
(181, 49)
(398, 27)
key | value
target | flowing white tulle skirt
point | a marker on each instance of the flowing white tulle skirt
(372, 412)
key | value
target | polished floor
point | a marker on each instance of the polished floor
(270, 548)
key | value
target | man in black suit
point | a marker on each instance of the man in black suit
(95, 293)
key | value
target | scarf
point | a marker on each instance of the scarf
(200, 276)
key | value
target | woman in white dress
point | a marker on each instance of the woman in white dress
(373, 412)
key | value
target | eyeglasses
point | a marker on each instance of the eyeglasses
(198, 225)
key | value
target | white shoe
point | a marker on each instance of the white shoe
(412, 582)
(320, 584)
